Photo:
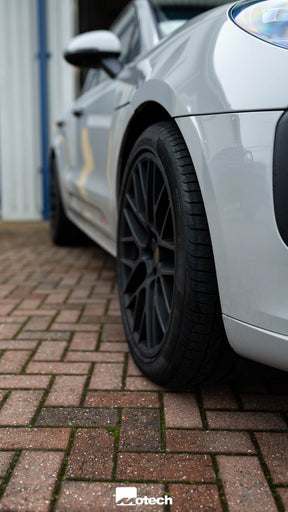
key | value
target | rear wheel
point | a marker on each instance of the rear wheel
(166, 274)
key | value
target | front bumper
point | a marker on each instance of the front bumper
(233, 157)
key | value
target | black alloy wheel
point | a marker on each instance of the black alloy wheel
(166, 274)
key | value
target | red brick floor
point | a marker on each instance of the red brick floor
(78, 421)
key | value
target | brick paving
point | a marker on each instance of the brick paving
(78, 420)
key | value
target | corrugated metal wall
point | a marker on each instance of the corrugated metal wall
(61, 21)
(19, 110)
(20, 124)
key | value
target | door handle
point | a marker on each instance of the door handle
(60, 123)
(78, 112)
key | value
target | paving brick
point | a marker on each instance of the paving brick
(50, 351)
(114, 307)
(88, 496)
(121, 399)
(18, 345)
(30, 303)
(81, 417)
(102, 288)
(246, 420)
(132, 369)
(20, 407)
(24, 491)
(99, 357)
(5, 290)
(116, 346)
(218, 397)
(113, 333)
(168, 467)
(58, 368)
(5, 309)
(194, 498)
(66, 390)
(91, 455)
(84, 341)
(245, 485)
(68, 316)
(140, 430)
(44, 335)
(10, 320)
(17, 314)
(96, 309)
(13, 361)
(284, 497)
(20, 291)
(181, 410)
(6, 459)
(274, 448)
(58, 326)
(142, 384)
(107, 376)
(56, 297)
(34, 438)
(24, 381)
(208, 441)
(38, 323)
(80, 293)
(9, 330)
(265, 402)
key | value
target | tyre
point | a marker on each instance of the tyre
(166, 274)
(63, 231)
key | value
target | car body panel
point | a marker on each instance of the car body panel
(203, 76)
(265, 347)
(215, 80)
(233, 155)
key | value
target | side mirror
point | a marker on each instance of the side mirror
(99, 48)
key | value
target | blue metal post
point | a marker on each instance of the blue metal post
(43, 56)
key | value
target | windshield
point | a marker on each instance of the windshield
(171, 14)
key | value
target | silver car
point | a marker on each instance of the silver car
(174, 159)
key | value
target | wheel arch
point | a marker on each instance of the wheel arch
(146, 114)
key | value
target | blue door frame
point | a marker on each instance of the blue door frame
(44, 116)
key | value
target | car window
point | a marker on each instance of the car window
(171, 14)
(94, 77)
(127, 29)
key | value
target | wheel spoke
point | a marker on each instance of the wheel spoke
(143, 176)
(149, 314)
(160, 310)
(167, 225)
(167, 293)
(135, 279)
(138, 232)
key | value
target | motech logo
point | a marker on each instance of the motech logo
(128, 497)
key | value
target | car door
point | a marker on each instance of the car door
(93, 115)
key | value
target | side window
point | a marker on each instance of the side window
(94, 77)
(127, 30)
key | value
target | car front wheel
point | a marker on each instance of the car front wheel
(166, 275)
